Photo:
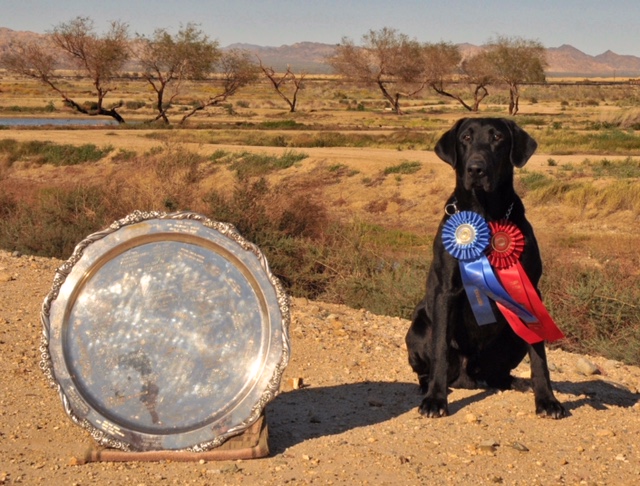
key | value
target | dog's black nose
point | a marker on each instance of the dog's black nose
(475, 170)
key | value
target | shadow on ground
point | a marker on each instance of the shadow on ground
(599, 394)
(304, 414)
(308, 413)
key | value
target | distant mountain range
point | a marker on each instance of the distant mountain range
(564, 61)
(309, 57)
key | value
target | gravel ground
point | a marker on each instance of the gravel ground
(354, 421)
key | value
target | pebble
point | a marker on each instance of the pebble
(519, 447)
(471, 418)
(6, 277)
(488, 445)
(586, 367)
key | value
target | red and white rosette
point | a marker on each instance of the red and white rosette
(505, 249)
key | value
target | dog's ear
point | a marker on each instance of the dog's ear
(522, 145)
(446, 146)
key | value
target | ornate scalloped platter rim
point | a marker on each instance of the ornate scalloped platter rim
(165, 332)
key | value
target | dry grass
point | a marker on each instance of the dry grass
(365, 200)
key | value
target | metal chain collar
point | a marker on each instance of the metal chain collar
(452, 208)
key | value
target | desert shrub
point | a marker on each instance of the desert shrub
(281, 124)
(623, 169)
(247, 164)
(530, 181)
(50, 153)
(597, 308)
(135, 104)
(315, 257)
(54, 222)
(618, 195)
(405, 167)
(286, 229)
(124, 155)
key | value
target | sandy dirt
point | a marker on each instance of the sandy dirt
(354, 422)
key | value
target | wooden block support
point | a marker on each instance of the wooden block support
(253, 443)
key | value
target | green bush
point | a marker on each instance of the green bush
(248, 164)
(50, 153)
(405, 167)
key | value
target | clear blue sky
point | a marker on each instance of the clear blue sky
(593, 26)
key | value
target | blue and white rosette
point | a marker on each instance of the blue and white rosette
(466, 236)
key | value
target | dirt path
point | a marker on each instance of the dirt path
(354, 423)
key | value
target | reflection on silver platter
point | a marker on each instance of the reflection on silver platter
(165, 332)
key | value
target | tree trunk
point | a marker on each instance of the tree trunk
(479, 94)
(161, 111)
(514, 98)
(394, 100)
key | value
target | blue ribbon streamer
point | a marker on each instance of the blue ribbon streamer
(480, 283)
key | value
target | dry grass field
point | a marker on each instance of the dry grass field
(342, 158)
(344, 199)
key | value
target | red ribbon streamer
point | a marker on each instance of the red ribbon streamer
(507, 244)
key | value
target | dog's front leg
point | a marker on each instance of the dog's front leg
(547, 405)
(434, 403)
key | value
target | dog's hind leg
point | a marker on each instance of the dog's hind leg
(458, 372)
(494, 363)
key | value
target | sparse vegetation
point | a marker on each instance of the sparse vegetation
(39, 153)
(406, 167)
(368, 252)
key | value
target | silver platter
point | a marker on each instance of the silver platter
(165, 332)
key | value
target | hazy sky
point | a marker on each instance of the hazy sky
(593, 26)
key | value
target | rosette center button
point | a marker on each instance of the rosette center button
(465, 234)
(501, 242)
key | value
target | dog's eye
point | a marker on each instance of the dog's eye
(466, 137)
(497, 137)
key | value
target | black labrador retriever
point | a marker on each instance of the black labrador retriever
(446, 346)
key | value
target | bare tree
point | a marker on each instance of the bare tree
(234, 70)
(168, 61)
(442, 61)
(478, 73)
(386, 59)
(98, 57)
(514, 61)
(279, 81)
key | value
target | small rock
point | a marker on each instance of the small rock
(612, 364)
(16, 254)
(6, 277)
(231, 469)
(471, 418)
(586, 367)
(519, 447)
(488, 445)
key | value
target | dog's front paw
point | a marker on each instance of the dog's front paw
(434, 407)
(550, 408)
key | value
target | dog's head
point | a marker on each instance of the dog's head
(483, 151)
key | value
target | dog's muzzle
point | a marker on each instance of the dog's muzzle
(476, 175)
